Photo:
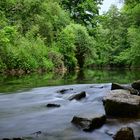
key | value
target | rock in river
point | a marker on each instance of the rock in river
(63, 91)
(121, 103)
(133, 91)
(52, 105)
(12, 139)
(78, 96)
(117, 86)
(125, 133)
(89, 123)
(136, 85)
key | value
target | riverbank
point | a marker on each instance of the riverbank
(21, 72)
(12, 83)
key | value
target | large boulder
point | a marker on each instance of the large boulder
(136, 85)
(125, 133)
(121, 103)
(78, 96)
(89, 123)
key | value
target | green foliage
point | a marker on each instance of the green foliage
(75, 45)
(134, 39)
(118, 36)
(55, 57)
(82, 11)
(28, 30)
(51, 20)
(7, 35)
(2, 66)
(130, 56)
(53, 34)
(112, 38)
(67, 48)
(27, 53)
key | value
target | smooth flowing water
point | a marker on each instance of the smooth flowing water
(23, 102)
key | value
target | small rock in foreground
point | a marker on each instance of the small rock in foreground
(125, 133)
(89, 124)
(78, 96)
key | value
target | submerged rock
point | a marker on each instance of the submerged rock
(63, 91)
(136, 85)
(125, 133)
(12, 139)
(17, 139)
(78, 96)
(52, 105)
(36, 134)
(89, 123)
(121, 103)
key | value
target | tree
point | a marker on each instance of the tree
(51, 20)
(112, 37)
(76, 45)
(132, 10)
(83, 11)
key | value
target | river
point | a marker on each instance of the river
(23, 102)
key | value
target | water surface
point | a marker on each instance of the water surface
(10, 84)
(24, 112)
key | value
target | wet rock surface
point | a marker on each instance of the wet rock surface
(134, 91)
(125, 133)
(89, 123)
(117, 86)
(78, 96)
(121, 103)
(136, 85)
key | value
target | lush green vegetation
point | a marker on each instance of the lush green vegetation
(58, 34)
(118, 37)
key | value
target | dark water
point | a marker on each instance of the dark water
(9, 84)
(24, 111)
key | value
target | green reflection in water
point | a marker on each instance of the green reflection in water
(10, 84)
